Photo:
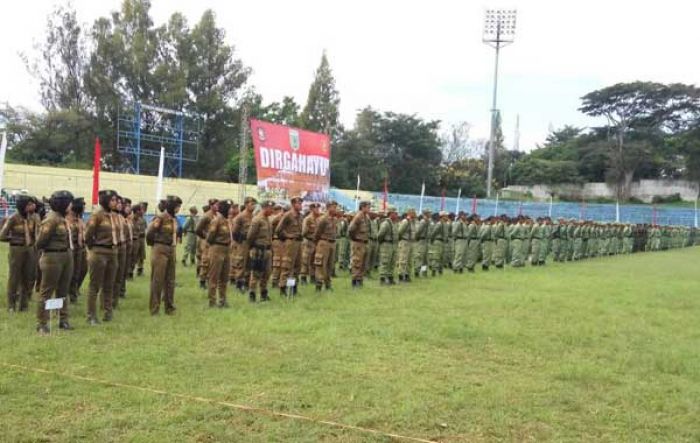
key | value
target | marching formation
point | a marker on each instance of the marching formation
(256, 246)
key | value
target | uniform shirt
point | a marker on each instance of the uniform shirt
(202, 229)
(309, 226)
(439, 232)
(139, 225)
(163, 230)
(386, 231)
(54, 234)
(405, 231)
(101, 229)
(241, 224)
(220, 231)
(274, 221)
(422, 229)
(485, 233)
(190, 224)
(326, 229)
(373, 229)
(459, 230)
(20, 231)
(359, 228)
(472, 231)
(289, 228)
(499, 230)
(260, 232)
(77, 231)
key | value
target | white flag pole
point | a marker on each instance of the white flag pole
(459, 195)
(357, 194)
(159, 185)
(617, 211)
(3, 151)
(422, 194)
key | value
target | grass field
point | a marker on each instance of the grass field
(604, 350)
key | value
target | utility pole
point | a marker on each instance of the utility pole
(243, 155)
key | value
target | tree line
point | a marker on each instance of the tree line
(87, 74)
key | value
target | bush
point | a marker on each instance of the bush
(673, 198)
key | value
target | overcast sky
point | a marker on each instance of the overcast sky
(424, 58)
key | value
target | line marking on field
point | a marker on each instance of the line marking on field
(218, 402)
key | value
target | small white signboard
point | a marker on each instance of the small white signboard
(291, 282)
(53, 304)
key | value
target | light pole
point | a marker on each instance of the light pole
(499, 31)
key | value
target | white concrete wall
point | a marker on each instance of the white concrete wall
(644, 190)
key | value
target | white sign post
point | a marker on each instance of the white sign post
(53, 304)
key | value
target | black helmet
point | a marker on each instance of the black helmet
(224, 206)
(21, 202)
(172, 202)
(78, 206)
(59, 201)
(105, 196)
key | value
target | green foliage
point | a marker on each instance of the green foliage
(321, 111)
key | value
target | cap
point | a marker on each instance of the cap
(410, 211)
(296, 200)
(212, 201)
(249, 200)
(331, 203)
(390, 209)
(443, 214)
(314, 205)
(267, 204)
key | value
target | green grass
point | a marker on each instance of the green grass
(603, 350)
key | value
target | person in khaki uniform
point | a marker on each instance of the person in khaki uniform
(372, 252)
(324, 255)
(420, 245)
(239, 261)
(77, 233)
(200, 243)
(20, 231)
(120, 276)
(308, 245)
(289, 231)
(138, 253)
(129, 241)
(202, 230)
(358, 232)
(259, 244)
(101, 240)
(162, 236)
(277, 246)
(233, 250)
(190, 237)
(56, 261)
(220, 237)
(388, 238)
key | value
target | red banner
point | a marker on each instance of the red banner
(291, 162)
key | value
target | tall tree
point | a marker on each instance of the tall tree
(321, 111)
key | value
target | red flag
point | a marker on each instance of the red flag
(96, 171)
(386, 195)
(474, 205)
(442, 203)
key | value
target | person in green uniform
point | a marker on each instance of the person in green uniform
(438, 237)
(486, 239)
(102, 242)
(517, 234)
(500, 245)
(474, 245)
(578, 242)
(387, 238)
(162, 236)
(342, 242)
(20, 231)
(190, 237)
(405, 246)
(372, 261)
(420, 246)
(56, 261)
(459, 234)
(448, 250)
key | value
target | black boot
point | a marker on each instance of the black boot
(484, 267)
(139, 272)
(184, 262)
(202, 284)
(382, 281)
(416, 274)
(433, 272)
(303, 280)
(407, 278)
(92, 321)
(391, 281)
(107, 317)
(223, 304)
(354, 284)
(319, 287)
(471, 270)
(294, 290)
(283, 292)
(264, 296)
(251, 296)
(312, 279)
(63, 324)
(328, 286)
(43, 330)
(359, 283)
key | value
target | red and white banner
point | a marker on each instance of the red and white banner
(291, 162)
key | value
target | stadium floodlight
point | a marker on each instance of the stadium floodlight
(499, 31)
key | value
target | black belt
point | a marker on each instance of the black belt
(460, 238)
(142, 236)
(222, 244)
(264, 247)
(19, 245)
(103, 246)
(385, 241)
(329, 241)
(364, 241)
(55, 250)
(165, 244)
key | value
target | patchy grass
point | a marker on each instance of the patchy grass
(603, 350)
